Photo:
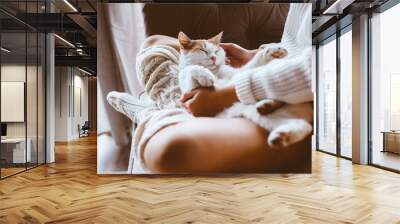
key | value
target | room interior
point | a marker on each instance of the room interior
(26, 63)
(49, 92)
(22, 101)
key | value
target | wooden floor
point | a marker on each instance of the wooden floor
(70, 191)
(387, 159)
(5, 172)
(10, 171)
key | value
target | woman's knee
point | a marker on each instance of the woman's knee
(169, 151)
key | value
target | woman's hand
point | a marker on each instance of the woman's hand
(208, 102)
(237, 55)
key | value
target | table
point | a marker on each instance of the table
(391, 141)
(13, 150)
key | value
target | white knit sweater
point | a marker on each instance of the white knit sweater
(287, 79)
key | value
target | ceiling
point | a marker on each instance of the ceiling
(330, 16)
(72, 20)
(76, 22)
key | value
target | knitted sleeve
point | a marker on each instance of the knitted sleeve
(287, 79)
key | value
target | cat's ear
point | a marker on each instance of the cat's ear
(216, 39)
(184, 40)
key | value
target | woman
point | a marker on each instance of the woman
(237, 145)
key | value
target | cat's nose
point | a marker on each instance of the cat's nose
(213, 59)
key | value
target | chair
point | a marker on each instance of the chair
(84, 130)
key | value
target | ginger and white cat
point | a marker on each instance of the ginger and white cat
(202, 64)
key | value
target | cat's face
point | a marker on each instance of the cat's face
(207, 53)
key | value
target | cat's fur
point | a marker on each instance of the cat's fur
(202, 64)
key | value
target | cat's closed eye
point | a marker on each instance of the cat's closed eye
(206, 52)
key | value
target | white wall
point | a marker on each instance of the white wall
(61, 103)
(14, 73)
(71, 94)
(33, 126)
(10, 73)
(80, 105)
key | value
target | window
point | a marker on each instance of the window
(346, 94)
(385, 89)
(332, 78)
(327, 97)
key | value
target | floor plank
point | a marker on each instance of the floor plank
(70, 191)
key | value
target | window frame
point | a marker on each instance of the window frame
(334, 37)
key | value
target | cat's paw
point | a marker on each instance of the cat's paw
(267, 106)
(279, 139)
(273, 53)
(279, 52)
(202, 77)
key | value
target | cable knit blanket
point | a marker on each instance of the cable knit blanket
(157, 69)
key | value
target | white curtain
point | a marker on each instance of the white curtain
(120, 34)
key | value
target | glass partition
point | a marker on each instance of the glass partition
(327, 96)
(13, 108)
(346, 94)
(23, 90)
(32, 98)
(41, 96)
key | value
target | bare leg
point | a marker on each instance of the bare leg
(211, 145)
